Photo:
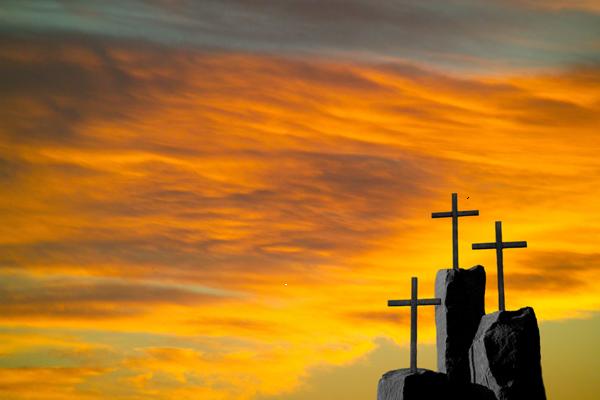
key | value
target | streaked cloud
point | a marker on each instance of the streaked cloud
(24, 298)
(462, 35)
(557, 270)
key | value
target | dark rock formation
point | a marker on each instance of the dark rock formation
(462, 292)
(402, 384)
(505, 355)
(470, 391)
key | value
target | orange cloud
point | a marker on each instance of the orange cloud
(270, 206)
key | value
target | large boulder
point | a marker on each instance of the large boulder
(462, 294)
(423, 384)
(403, 384)
(505, 355)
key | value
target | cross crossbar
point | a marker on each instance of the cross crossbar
(446, 214)
(414, 302)
(493, 245)
(421, 302)
(499, 245)
(455, 214)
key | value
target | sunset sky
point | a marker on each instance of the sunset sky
(215, 199)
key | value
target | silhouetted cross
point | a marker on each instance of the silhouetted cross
(454, 214)
(413, 303)
(499, 245)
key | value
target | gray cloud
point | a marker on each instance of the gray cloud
(23, 297)
(70, 82)
(385, 317)
(457, 34)
(555, 270)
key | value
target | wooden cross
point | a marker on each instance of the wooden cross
(499, 245)
(413, 303)
(454, 214)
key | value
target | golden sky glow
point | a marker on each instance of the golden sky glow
(229, 224)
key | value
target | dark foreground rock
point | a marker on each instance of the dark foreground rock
(505, 355)
(402, 384)
(462, 293)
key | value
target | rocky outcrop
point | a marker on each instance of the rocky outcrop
(402, 384)
(505, 355)
(462, 292)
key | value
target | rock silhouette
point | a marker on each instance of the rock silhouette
(404, 384)
(505, 355)
(423, 384)
(480, 357)
(462, 294)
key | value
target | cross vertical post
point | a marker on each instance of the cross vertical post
(413, 324)
(499, 245)
(455, 230)
(414, 302)
(500, 266)
(454, 214)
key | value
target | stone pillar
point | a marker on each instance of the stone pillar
(462, 292)
(505, 355)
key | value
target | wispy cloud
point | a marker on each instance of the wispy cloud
(260, 210)
(463, 35)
